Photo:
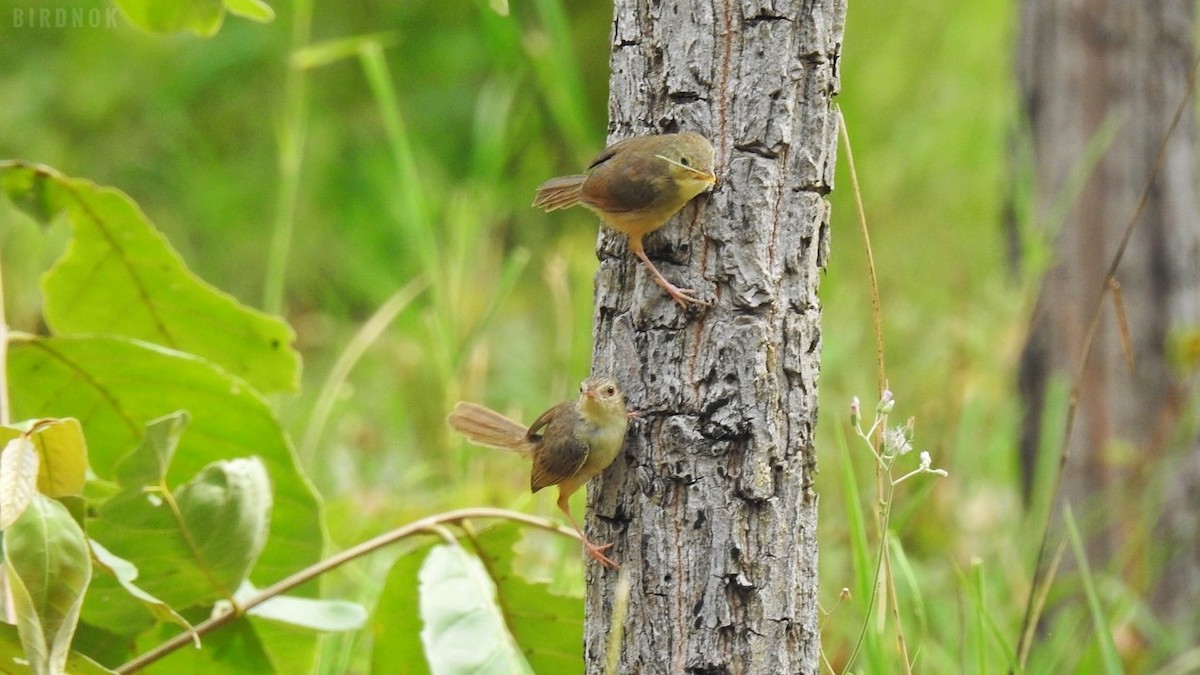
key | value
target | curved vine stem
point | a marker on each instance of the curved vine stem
(430, 525)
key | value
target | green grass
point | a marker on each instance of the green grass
(399, 150)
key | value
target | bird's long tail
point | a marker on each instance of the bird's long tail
(484, 426)
(559, 193)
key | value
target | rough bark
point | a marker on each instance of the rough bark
(711, 506)
(1086, 67)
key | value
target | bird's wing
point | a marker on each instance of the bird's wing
(559, 452)
(607, 153)
(535, 430)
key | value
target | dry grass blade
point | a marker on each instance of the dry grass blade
(1114, 288)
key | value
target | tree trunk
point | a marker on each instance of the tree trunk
(1107, 76)
(711, 506)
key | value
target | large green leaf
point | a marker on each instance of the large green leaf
(548, 627)
(464, 630)
(114, 386)
(119, 276)
(48, 568)
(195, 545)
(396, 627)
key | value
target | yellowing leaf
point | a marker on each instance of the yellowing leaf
(61, 450)
(63, 454)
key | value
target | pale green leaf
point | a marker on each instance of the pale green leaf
(458, 608)
(321, 615)
(115, 386)
(18, 479)
(203, 552)
(48, 569)
(119, 276)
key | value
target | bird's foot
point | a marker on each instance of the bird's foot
(681, 295)
(597, 552)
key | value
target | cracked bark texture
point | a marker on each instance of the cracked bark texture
(710, 506)
(1109, 75)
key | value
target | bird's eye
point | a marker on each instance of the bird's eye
(685, 161)
(610, 390)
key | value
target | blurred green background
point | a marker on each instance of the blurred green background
(437, 183)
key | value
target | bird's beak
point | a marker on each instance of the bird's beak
(707, 176)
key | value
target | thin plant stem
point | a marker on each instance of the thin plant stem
(884, 486)
(350, 356)
(293, 133)
(862, 634)
(5, 413)
(10, 610)
(876, 305)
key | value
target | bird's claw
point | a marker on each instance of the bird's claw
(597, 552)
(683, 295)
